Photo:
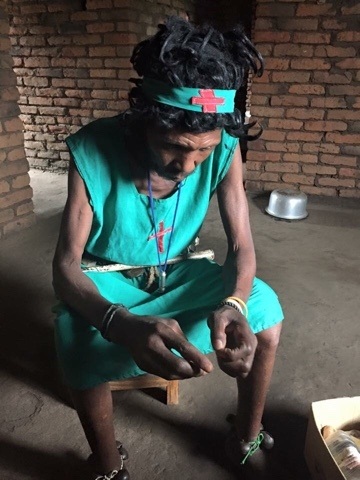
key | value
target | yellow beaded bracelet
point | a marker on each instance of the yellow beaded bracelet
(239, 300)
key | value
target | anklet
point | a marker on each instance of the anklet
(254, 446)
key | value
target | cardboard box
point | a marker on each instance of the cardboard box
(341, 413)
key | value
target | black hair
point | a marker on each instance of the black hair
(182, 54)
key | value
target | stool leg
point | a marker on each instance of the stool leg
(172, 392)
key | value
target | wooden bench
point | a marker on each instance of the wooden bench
(171, 387)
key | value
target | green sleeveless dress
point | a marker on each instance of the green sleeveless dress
(123, 232)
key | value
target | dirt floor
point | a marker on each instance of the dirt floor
(314, 266)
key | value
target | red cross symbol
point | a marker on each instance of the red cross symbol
(160, 236)
(208, 101)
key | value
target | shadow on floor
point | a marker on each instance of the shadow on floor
(33, 463)
(288, 428)
(27, 350)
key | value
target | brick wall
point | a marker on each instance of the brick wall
(308, 99)
(16, 207)
(72, 64)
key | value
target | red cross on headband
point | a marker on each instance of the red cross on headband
(196, 99)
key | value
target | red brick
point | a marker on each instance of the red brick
(278, 37)
(282, 147)
(259, 100)
(304, 136)
(19, 224)
(104, 27)
(336, 182)
(307, 89)
(263, 156)
(74, 51)
(256, 166)
(285, 124)
(11, 139)
(36, 81)
(6, 215)
(89, 63)
(120, 38)
(277, 64)
(292, 24)
(25, 208)
(330, 51)
(349, 64)
(300, 158)
(4, 187)
(329, 192)
(20, 181)
(265, 49)
(302, 179)
(302, 37)
(253, 186)
(326, 77)
(18, 196)
(269, 186)
(267, 112)
(351, 150)
(332, 24)
(349, 172)
(343, 115)
(350, 193)
(291, 77)
(348, 36)
(86, 16)
(275, 10)
(32, 8)
(320, 147)
(287, 100)
(98, 4)
(292, 50)
(40, 100)
(264, 24)
(102, 51)
(310, 64)
(16, 154)
(341, 138)
(273, 135)
(344, 90)
(334, 102)
(9, 94)
(305, 113)
(63, 82)
(282, 167)
(102, 73)
(338, 160)
(270, 89)
(13, 125)
(306, 10)
(326, 126)
(353, 10)
(319, 169)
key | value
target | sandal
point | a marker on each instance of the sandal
(264, 440)
(121, 474)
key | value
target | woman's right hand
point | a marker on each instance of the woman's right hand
(150, 340)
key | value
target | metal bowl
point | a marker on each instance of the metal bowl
(288, 204)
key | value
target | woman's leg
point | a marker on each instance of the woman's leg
(95, 409)
(252, 390)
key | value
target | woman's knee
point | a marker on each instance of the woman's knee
(269, 339)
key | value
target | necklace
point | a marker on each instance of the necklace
(162, 266)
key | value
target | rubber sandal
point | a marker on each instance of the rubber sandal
(121, 474)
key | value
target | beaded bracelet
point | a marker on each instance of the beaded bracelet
(108, 318)
(239, 300)
(233, 304)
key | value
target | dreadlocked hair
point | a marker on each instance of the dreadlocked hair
(184, 55)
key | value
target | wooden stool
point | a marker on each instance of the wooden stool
(150, 381)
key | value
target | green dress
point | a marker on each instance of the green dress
(123, 232)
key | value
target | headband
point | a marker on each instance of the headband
(204, 100)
